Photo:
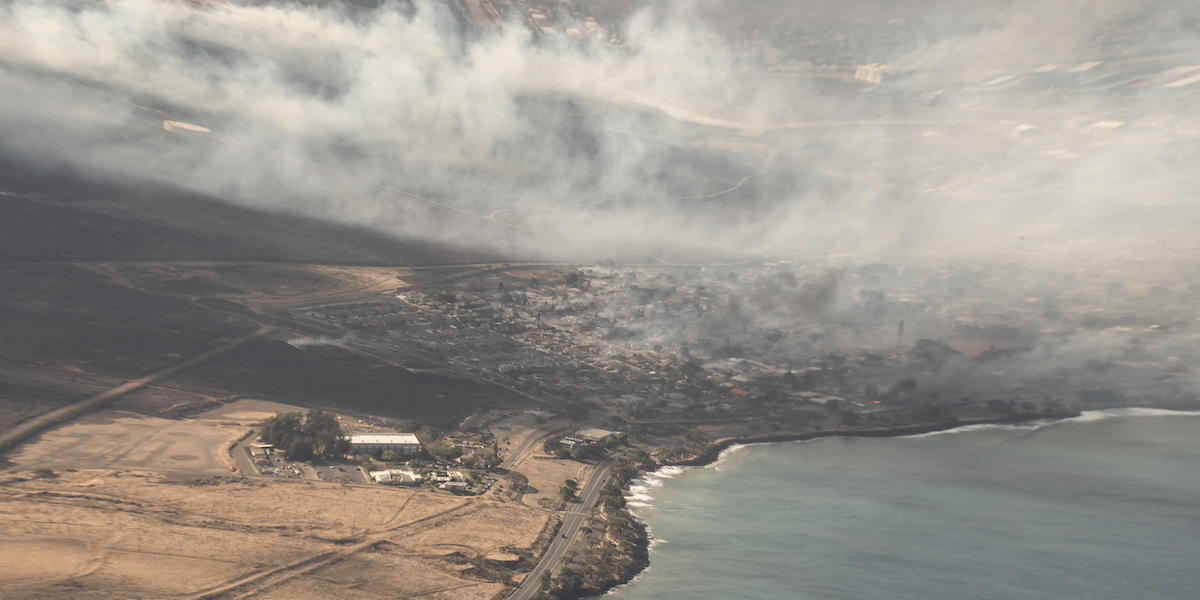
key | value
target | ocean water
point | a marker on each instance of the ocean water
(1104, 506)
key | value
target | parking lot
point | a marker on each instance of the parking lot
(341, 473)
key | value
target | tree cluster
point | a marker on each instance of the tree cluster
(316, 434)
(517, 481)
(569, 490)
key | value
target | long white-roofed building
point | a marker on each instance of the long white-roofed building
(372, 443)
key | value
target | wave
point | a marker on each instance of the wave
(647, 482)
(1030, 426)
(1087, 416)
(725, 454)
(640, 494)
(667, 472)
(1133, 411)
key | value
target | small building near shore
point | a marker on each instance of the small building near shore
(403, 444)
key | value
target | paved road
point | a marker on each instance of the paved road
(531, 441)
(572, 521)
(241, 456)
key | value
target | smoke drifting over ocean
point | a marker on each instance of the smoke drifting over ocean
(699, 136)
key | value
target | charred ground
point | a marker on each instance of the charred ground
(107, 281)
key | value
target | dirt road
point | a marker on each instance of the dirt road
(22, 431)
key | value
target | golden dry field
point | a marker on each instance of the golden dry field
(137, 534)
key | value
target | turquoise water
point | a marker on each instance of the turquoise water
(1105, 506)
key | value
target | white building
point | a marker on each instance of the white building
(371, 443)
(395, 476)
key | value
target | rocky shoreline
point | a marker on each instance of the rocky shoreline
(714, 450)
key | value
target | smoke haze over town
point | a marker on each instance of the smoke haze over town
(513, 256)
(1018, 132)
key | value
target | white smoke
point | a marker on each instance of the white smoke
(395, 120)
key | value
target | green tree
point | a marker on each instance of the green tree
(517, 481)
(624, 471)
(325, 434)
(443, 449)
(300, 449)
(281, 430)
(568, 490)
(639, 458)
(587, 451)
(305, 436)
(569, 579)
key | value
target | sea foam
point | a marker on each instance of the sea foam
(640, 494)
(1087, 416)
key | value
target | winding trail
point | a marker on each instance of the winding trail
(735, 187)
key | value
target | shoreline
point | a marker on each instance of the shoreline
(713, 452)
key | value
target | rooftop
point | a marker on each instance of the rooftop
(383, 438)
(593, 434)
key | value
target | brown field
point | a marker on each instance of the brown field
(118, 439)
(260, 284)
(122, 505)
(113, 534)
(247, 412)
(546, 475)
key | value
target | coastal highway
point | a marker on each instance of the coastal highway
(571, 523)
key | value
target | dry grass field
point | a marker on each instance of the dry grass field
(118, 439)
(131, 534)
(546, 475)
(122, 505)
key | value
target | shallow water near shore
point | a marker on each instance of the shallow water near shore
(1103, 506)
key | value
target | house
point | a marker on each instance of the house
(403, 444)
